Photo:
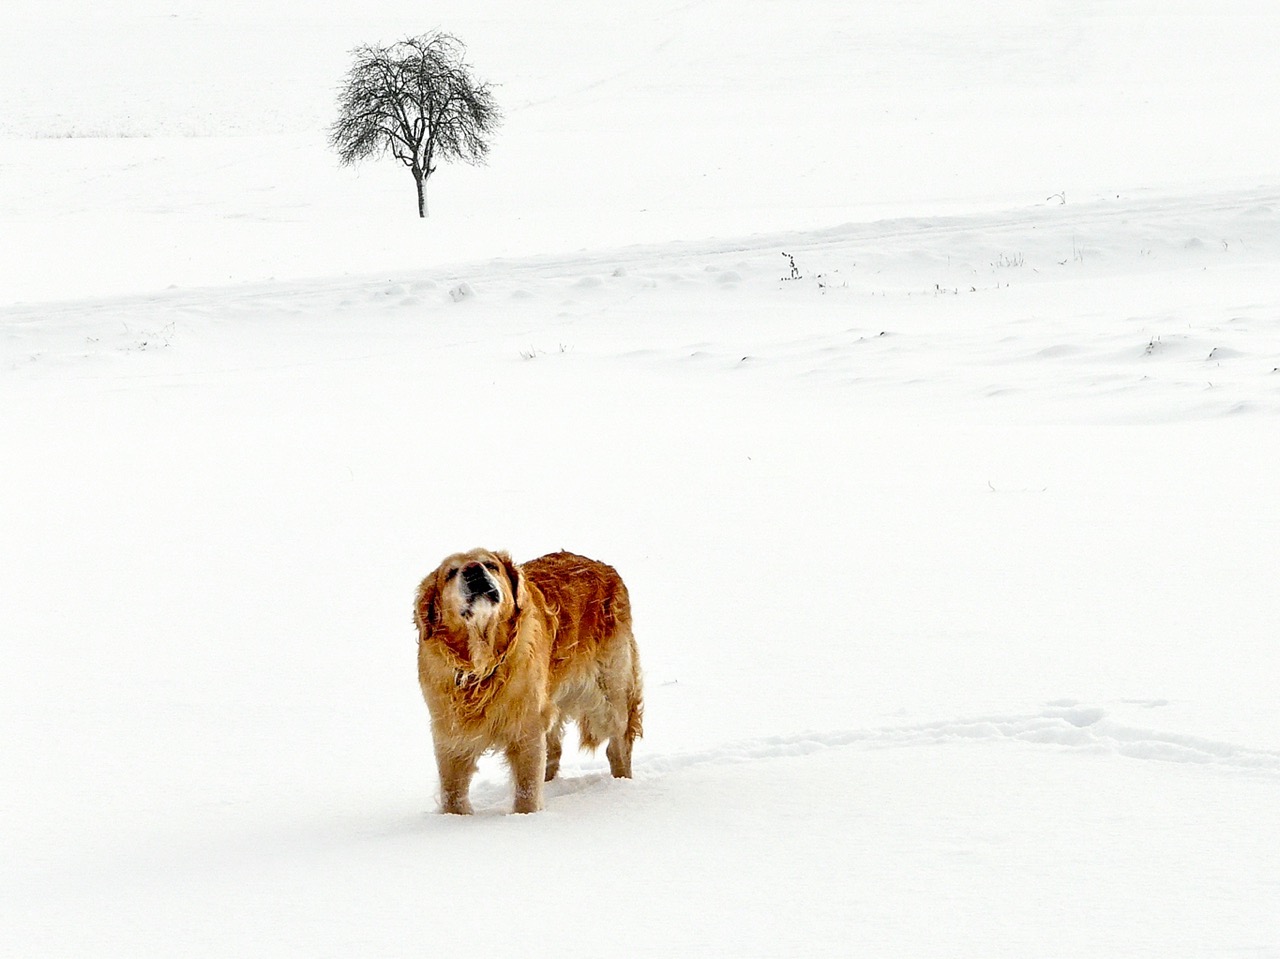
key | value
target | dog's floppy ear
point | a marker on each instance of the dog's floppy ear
(425, 613)
(515, 575)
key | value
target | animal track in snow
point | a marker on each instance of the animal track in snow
(1062, 724)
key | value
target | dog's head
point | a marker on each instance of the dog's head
(471, 602)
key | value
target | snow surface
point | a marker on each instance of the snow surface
(953, 556)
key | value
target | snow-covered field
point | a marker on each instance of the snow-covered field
(953, 551)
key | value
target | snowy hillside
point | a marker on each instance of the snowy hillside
(919, 371)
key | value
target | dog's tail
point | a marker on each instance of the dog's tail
(635, 697)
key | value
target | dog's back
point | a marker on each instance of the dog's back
(586, 605)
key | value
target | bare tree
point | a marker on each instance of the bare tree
(418, 101)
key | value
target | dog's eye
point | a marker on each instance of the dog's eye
(452, 573)
(493, 567)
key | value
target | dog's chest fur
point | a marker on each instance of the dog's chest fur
(479, 706)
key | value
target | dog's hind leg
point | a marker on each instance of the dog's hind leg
(620, 743)
(555, 737)
(625, 694)
(619, 753)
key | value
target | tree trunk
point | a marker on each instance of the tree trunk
(421, 182)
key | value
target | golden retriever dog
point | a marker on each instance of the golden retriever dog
(508, 654)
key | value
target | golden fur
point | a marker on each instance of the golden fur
(507, 654)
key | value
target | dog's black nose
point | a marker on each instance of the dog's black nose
(474, 576)
(479, 583)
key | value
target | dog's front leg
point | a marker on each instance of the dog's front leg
(528, 759)
(456, 770)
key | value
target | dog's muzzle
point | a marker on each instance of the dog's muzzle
(478, 584)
